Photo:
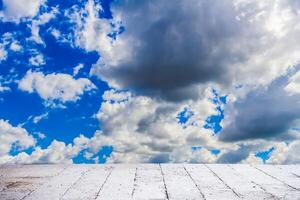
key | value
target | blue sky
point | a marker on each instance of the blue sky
(91, 81)
(18, 107)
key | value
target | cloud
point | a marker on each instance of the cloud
(180, 46)
(14, 10)
(15, 46)
(285, 153)
(4, 88)
(37, 60)
(91, 32)
(13, 137)
(164, 64)
(77, 69)
(37, 119)
(3, 54)
(252, 159)
(41, 20)
(266, 112)
(50, 87)
(158, 135)
(56, 152)
(293, 86)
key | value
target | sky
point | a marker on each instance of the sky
(154, 81)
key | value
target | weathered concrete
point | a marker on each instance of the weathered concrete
(150, 181)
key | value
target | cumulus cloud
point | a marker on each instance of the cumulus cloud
(158, 135)
(91, 32)
(56, 152)
(252, 159)
(14, 10)
(50, 87)
(13, 137)
(285, 153)
(168, 62)
(183, 44)
(266, 112)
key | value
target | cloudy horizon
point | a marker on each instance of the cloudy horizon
(129, 81)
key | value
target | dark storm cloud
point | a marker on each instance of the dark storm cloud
(175, 46)
(264, 113)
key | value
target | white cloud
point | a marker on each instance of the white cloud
(91, 31)
(158, 137)
(14, 10)
(56, 152)
(13, 137)
(4, 88)
(252, 159)
(77, 69)
(37, 60)
(293, 86)
(3, 54)
(50, 87)
(285, 153)
(37, 119)
(42, 19)
(245, 42)
(15, 46)
(56, 33)
(40, 135)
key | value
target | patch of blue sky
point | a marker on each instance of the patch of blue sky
(82, 158)
(184, 116)
(15, 150)
(213, 122)
(22, 103)
(215, 151)
(265, 155)
(195, 148)
(119, 31)
(60, 57)
(105, 12)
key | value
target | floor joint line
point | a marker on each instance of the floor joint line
(100, 189)
(276, 178)
(223, 181)
(165, 186)
(188, 173)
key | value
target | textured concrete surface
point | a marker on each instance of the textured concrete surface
(150, 181)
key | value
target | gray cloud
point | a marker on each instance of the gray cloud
(175, 49)
(263, 113)
(176, 45)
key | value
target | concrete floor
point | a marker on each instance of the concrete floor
(150, 181)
